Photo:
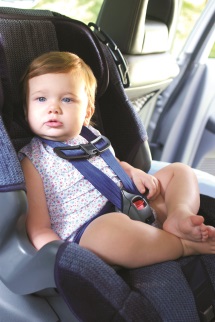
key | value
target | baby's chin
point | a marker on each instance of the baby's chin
(57, 137)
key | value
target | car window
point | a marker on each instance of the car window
(190, 11)
(212, 53)
(83, 10)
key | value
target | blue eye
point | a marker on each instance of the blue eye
(41, 99)
(66, 100)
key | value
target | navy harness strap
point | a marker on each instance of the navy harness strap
(96, 177)
(109, 158)
(100, 181)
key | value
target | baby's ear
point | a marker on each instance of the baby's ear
(89, 114)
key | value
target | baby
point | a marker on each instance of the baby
(59, 90)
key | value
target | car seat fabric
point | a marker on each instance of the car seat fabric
(100, 294)
(207, 209)
(155, 293)
(93, 290)
(11, 176)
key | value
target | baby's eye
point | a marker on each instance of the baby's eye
(66, 99)
(41, 99)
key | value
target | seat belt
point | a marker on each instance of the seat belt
(129, 201)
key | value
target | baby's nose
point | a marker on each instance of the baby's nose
(54, 108)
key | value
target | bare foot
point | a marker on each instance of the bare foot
(189, 227)
(197, 248)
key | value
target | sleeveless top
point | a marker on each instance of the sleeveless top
(71, 199)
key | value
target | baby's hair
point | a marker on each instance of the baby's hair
(60, 62)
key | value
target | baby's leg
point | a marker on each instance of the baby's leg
(179, 199)
(118, 240)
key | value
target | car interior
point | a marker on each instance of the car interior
(50, 284)
(144, 35)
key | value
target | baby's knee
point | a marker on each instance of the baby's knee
(180, 167)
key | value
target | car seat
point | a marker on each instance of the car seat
(35, 285)
(25, 34)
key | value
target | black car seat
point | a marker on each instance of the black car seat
(33, 283)
(24, 35)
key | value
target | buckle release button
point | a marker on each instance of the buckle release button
(139, 204)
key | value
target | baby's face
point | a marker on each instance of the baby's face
(57, 105)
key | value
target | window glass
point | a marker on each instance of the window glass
(190, 11)
(212, 53)
(83, 10)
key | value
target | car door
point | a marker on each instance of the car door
(185, 111)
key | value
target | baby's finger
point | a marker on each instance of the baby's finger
(154, 189)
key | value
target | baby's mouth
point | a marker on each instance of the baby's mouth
(53, 123)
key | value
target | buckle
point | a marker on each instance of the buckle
(83, 151)
(136, 207)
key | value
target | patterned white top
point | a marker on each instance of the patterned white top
(71, 199)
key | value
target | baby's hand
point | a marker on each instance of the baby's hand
(144, 182)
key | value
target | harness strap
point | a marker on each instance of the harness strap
(109, 158)
(100, 181)
(98, 146)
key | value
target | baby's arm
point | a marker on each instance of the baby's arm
(38, 221)
(142, 180)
